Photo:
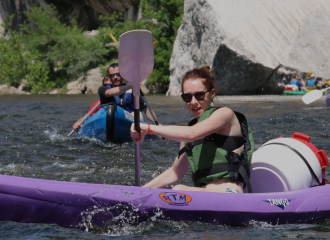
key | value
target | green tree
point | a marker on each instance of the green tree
(63, 48)
(50, 53)
(115, 25)
(13, 62)
(17, 63)
(162, 18)
(37, 77)
(166, 17)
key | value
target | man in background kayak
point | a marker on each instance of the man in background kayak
(116, 91)
(120, 93)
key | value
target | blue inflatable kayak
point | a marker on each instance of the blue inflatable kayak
(110, 124)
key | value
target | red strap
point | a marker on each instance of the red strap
(149, 131)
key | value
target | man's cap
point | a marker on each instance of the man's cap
(313, 75)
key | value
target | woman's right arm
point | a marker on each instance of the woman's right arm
(218, 120)
(172, 175)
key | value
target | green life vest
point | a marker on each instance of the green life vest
(209, 162)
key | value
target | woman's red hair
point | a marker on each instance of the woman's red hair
(203, 73)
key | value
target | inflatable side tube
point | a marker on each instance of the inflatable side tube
(110, 122)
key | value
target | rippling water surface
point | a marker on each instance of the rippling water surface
(34, 143)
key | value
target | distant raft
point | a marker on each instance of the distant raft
(110, 124)
(293, 90)
(294, 93)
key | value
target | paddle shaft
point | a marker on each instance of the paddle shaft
(326, 89)
(137, 145)
(85, 118)
(136, 61)
(151, 112)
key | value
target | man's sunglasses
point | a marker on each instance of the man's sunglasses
(187, 97)
(115, 74)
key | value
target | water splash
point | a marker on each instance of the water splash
(122, 218)
(54, 136)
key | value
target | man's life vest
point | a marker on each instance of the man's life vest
(310, 83)
(126, 102)
(212, 158)
(293, 82)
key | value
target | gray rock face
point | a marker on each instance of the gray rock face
(252, 45)
(9, 7)
(4, 89)
(88, 85)
(86, 13)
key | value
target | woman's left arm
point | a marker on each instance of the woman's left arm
(219, 119)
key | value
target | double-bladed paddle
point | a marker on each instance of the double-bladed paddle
(136, 61)
(313, 95)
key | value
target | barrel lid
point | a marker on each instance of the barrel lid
(320, 154)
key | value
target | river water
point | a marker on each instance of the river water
(34, 143)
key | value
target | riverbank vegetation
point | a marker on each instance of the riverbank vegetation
(48, 53)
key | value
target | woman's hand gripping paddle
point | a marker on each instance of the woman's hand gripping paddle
(313, 95)
(136, 62)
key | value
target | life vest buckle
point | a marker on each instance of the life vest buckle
(189, 145)
(193, 177)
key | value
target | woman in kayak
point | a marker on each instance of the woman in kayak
(217, 144)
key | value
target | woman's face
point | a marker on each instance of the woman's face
(197, 107)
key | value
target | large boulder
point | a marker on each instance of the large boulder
(88, 84)
(252, 45)
(4, 89)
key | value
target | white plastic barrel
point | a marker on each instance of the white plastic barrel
(276, 167)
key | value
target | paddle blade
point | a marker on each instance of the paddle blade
(312, 96)
(136, 57)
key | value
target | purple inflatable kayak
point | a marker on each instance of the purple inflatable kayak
(327, 100)
(82, 205)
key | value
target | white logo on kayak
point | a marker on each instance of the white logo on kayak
(129, 116)
(281, 203)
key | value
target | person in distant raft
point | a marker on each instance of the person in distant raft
(120, 93)
(217, 144)
(296, 82)
(313, 83)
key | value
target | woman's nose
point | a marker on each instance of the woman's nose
(193, 100)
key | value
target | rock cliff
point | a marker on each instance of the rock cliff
(88, 84)
(86, 13)
(252, 44)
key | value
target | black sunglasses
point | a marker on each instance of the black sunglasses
(187, 97)
(115, 74)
